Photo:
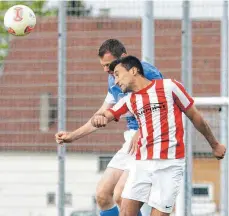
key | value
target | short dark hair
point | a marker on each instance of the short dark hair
(113, 46)
(128, 62)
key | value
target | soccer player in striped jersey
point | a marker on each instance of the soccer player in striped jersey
(110, 187)
(156, 175)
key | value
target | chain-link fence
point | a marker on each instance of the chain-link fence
(29, 100)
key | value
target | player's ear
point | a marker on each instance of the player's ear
(123, 55)
(134, 71)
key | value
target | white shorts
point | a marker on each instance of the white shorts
(155, 182)
(122, 160)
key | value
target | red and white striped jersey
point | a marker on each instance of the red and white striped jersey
(158, 109)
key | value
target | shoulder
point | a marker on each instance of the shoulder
(150, 71)
(147, 67)
(165, 83)
(173, 84)
(176, 83)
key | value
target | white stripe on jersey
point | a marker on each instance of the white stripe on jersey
(156, 123)
(143, 148)
(118, 105)
(171, 119)
(128, 103)
(182, 97)
(129, 113)
(123, 102)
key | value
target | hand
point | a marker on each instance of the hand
(134, 143)
(99, 121)
(64, 137)
(219, 151)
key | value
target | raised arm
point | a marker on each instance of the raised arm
(185, 103)
(86, 129)
(202, 126)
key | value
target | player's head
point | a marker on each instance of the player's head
(126, 71)
(110, 50)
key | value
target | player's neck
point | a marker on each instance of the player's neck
(141, 83)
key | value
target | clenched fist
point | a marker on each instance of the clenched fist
(64, 137)
(219, 151)
(99, 121)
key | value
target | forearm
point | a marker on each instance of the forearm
(102, 119)
(85, 130)
(202, 126)
(88, 128)
(108, 115)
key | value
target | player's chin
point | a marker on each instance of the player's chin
(124, 90)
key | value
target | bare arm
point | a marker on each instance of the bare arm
(202, 126)
(84, 130)
(101, 120)
(88, 127)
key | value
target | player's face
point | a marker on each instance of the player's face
(123, 78)
(105, 62)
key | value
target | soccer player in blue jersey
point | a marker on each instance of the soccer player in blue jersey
(109, 188)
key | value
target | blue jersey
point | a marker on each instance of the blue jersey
(150, 72)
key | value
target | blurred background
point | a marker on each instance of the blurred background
(188, 43)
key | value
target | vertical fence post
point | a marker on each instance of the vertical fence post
(148, 32)
(148, 38)
(224, 111)
(61, 102)
(187, 81)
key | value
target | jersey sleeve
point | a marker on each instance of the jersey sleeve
(120, 109)
(110, 98)
(180, 96)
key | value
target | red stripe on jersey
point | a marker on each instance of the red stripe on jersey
(163, 118)
(180, 149)
(113, 113)
(134, 108)
(149, 125)
(117, 113)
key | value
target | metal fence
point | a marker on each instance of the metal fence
(52, 80)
